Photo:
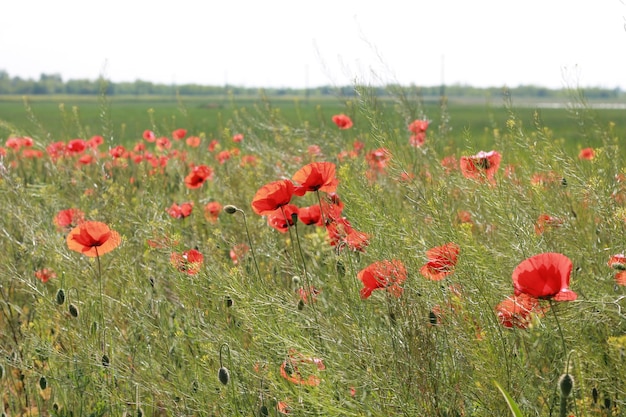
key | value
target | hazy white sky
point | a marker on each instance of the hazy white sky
(291, 43)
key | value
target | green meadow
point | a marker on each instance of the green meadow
(269, 256)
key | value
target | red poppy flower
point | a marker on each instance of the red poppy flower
(95, 141)
(332, 207)
(441, 261)
(189, 262)
(305, 295)
(342, 121)
(272, 196)
(341, 234)
(378, 159)
(311, 215)
(290, 369)
(118, 152)
(544, 276)
(67, 218)
(516, 310)
(238, 138)
(193, 141)
(481, 166)
(316, 176)
(198, 175)
(45, 274)
(93, 239)
(163, 143)
(546, 221)
(417, 140)
(283, 407)
(180, 211)
(418, 126)
(281, 219)
(238, 252)
(76, 146)
(223, 156)
(212, 210)
(385, 274)
(149, 135)
(618, 262)
(587, 154)
(179, 134)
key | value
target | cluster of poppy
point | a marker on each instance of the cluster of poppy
(273, 201)
(418, 129)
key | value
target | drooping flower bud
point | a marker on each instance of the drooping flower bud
(223, 375)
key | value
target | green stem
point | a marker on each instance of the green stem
(558, 325)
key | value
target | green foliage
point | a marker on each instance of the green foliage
(131, 332)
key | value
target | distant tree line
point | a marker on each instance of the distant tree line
(54, 84)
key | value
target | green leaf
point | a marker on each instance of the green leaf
(509, 400)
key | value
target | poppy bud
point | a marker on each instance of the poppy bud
(607, 403)
(1, 371)
(566, 383)
(73, 310)
(60, 296)
(263, 411)
(300, 305)
(295, 281)
(223, 375)
(139, 412)
(105, 360)
(564, 182)
(43, 382)
(194, 386)
(432, 318)
(230, 209)
(229, 301)
(594, 395)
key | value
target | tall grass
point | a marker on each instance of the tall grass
(238, 338)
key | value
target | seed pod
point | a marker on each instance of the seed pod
(43, 383)
(73, 310)
(223, 375)
(60, 296)
(566, 383)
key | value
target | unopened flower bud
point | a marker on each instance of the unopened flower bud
(223, 375)
(60, 296)
(73, 310)
(230, 209)
(566, 383)
(43, 382)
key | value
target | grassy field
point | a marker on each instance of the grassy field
(126, 117)
(349, 258)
